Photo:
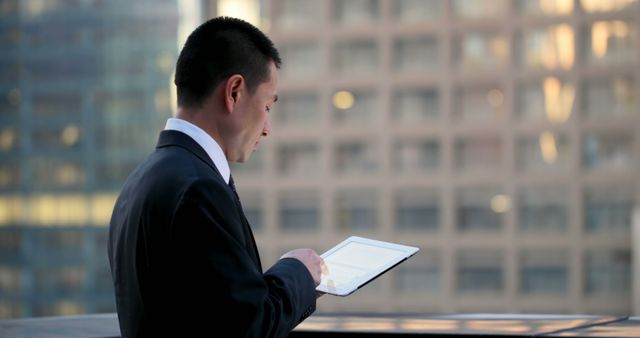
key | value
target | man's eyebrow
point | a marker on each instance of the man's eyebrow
(275, 98)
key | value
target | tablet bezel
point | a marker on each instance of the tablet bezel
(407, 251)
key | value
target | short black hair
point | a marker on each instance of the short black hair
(217, 49)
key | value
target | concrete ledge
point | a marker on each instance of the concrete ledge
(369, 325)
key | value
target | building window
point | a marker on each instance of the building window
(480, 210)
(551, 47)
(481, 51)
(417, 210)
(297, 109)
(551, 99)
(419, 275)
(479, 9)
(352, 157)
(413, 105)
(302, 59)
(610, 43)
(10, 174)
(608, 210)
(479, 104)
(478, 154)
(544, 8)
(299, 210)
(10, 280)
(300, 158)
(479, 271)
(609, 98)
(253, 209)
(543, 272)
(254, 166)
(364, 108)
(410, 11)
(357, 210)
(355, 12)
(412, 156)
(294, 14)
(416, 54)
(610, 151)
(608, 272)
(355, 57)
(543, 209)
(57, 172)
(61, 105)
(546, 152)
(599, 6)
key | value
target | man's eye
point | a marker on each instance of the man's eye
(268, 109)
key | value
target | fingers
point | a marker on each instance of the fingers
(314, 263)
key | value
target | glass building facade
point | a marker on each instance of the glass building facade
(84, 89)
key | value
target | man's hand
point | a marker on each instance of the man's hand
(310, 259)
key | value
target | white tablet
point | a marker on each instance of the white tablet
(357, 261)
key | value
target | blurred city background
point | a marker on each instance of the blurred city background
(502, 137)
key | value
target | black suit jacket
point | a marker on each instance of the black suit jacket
(183, 258)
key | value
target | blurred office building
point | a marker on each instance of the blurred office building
(501, 137)
(84, 89)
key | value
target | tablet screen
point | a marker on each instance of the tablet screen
(357, 260)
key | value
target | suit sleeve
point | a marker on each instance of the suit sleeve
(218, 276)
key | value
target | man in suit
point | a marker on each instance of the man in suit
(183, 258)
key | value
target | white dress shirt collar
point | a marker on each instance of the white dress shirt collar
(205, 141)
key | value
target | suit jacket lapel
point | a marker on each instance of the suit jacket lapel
(179, 139)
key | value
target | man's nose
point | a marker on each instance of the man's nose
(266, 129)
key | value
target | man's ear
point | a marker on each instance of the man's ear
(233, 89)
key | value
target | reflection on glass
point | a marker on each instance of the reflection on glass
(593, 6)
(545, 7)
(295, 14)
(608, 151)
(300, 158)
(410, 156)
(543, 209)
(609, 97)
(417, 210)
(355, 12)
(547, 152)
(302, 59)
(408, 11)
(416, 54)
(356, 210)
(11, 213)
(477, 9)
(415, 105)
(357, 107)
(478, 154)
(558, 99)
(9, 174)
(551, 47)
(474, 212)
(610, 42)
(356, 157)
(482, 51)
(296, 109)
(608, 272)
(56, 172)
(355, 57)
(479, 104)
(419, 275)
(299, 210)
(479, 271)
(543, 272)
(608, 210)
